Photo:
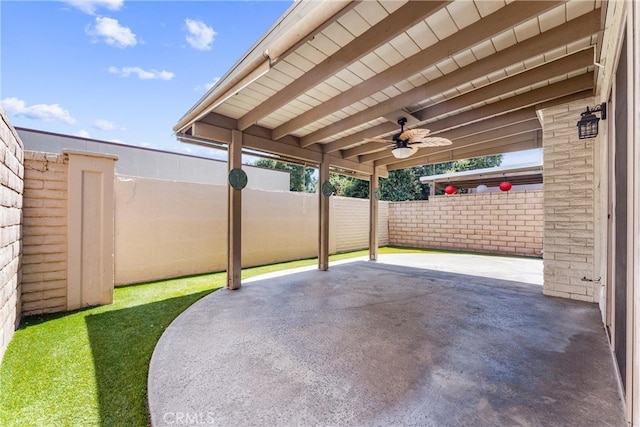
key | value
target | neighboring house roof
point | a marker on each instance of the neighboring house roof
(152, 163)
(328, 75)
(522, 174)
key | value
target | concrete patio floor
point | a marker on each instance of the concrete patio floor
(434, 340)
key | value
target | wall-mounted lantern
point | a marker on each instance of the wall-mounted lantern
(588, 124)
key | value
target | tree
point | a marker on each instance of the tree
(301, 178)
(401, 185)
(349, 186)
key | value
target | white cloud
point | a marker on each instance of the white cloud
(142, 74)
(44, 112)
(205, 87)
(212, 83)
(114, 34)
(200, 35)
(103, 124)
(90, 6)
(83, 133)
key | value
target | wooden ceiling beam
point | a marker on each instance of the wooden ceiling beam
(219, 134)
(255, 141)
(527, 99)
(570, 63)
(576, 29)
(397, 22)
(366, 148)
(524, 115)
(518, 116)
(351, 165)
(500, 146)
(347, 141)
(479, 138)
(577, 84)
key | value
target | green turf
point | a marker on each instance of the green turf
(89, 367)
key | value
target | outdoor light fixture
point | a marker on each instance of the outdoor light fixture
(588, 124)
(402, 152)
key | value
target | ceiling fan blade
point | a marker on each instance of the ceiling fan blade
(432, 141)
(378, 140)
(414, 135)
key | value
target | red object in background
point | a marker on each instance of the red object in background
(450, 189)
(505, 186)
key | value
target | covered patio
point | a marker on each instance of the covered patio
(404, 341)
(331, 80)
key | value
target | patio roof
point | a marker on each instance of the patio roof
(327, 75)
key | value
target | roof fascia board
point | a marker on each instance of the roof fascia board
(297, 23)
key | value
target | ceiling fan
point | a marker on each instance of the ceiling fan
(406, 142)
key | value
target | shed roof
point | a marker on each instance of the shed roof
(328, 75)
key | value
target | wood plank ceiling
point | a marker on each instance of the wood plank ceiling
(474, 72)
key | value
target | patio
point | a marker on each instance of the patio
(412, 339)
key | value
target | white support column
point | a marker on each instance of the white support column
(373, 215)
(323, 206)
(234, 216)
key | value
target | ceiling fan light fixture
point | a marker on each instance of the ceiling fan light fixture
(401, 152)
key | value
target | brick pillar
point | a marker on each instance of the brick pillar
(568, 240)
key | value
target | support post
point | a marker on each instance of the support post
(373, 215)
(234, 216)
(323, 205)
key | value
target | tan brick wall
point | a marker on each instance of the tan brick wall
(568, 205)
(44, 260)
(500, 223)
(351, 218)
(11, 188)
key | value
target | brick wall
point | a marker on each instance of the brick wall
(44, 261)
(568, 205)
(351, 219)
(11, 187)
(500, 223)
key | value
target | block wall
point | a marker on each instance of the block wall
(44, 260)
(277, 227)
(11, 188)
(508, 223)
(568, 205)
(351, 221)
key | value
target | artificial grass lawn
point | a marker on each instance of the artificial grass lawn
(89, 367)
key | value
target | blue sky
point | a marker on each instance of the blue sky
(122, 71)
(125, 71)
